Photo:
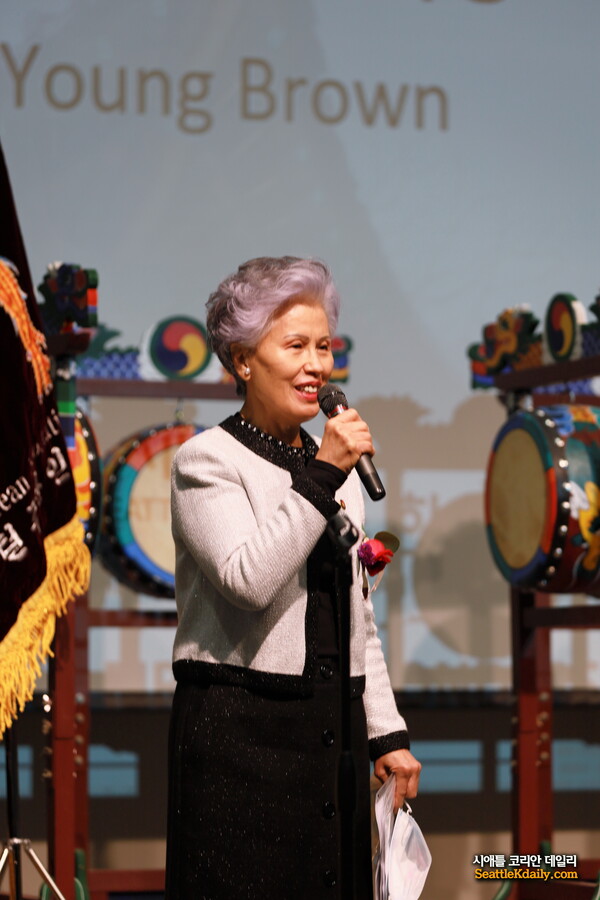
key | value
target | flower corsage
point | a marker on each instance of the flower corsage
(374, 554)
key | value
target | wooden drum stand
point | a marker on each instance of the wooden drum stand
(532, 617)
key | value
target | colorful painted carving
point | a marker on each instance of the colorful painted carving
(178, 348)
(174, 349)
(103, 361)
(511, 343)
(71, 298)
(509, 340)
(70, 304)
(341, 347)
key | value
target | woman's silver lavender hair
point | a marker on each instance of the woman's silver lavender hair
(242, 308)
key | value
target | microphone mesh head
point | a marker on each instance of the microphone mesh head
(330, 397)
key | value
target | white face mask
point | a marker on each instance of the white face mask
(404, 858)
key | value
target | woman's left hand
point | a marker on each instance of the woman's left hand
(403, 766)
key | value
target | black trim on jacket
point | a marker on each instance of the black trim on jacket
(195, 671)
(397, 740)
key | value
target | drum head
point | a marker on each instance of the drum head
(137, 546)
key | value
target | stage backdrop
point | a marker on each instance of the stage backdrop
(440, 155)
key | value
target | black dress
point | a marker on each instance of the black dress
(253, 808)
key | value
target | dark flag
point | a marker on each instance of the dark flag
(44, 562)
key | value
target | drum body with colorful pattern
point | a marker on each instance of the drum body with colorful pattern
(542, 501)
(85, 465)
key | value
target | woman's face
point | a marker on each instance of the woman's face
(287, 368)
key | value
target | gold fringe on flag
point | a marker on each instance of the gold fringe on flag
(27, 645)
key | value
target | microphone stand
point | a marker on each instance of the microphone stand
(344, 535)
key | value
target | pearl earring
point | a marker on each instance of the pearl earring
(247, 370)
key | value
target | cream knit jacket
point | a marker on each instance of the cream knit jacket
(244, 527)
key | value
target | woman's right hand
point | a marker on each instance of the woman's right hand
(345, 438)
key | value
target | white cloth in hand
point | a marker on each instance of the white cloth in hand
(403, 859)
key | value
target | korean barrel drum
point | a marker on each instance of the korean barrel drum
(135, 544)
(542, 500)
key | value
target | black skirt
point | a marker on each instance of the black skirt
(253, 808)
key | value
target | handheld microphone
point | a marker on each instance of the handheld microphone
(332, 402)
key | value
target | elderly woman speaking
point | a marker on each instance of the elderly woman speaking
(255, 728)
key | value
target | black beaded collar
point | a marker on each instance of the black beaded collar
(271, 448)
